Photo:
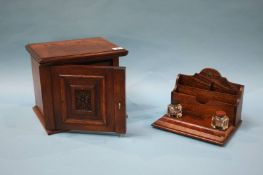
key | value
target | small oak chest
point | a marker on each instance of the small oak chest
(79, 85)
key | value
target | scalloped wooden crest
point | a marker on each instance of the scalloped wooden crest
(210, 72)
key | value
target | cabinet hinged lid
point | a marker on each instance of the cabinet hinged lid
(69, 50)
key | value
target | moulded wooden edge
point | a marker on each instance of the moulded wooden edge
(42, 121)
(189, 131)
(100, 55)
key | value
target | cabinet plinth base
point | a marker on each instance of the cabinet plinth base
(41, 119)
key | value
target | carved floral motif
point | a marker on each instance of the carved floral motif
(83, 100)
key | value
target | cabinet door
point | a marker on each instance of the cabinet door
(90, 98)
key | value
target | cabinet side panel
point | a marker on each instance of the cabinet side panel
(120, 101)
(37, 85)
(47, 96)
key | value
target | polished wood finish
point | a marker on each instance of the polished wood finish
(79, 85)
(201, 95)
(88, 49)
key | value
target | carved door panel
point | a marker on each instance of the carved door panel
(90, 98)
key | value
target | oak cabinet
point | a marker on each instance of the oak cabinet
(79, 85)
